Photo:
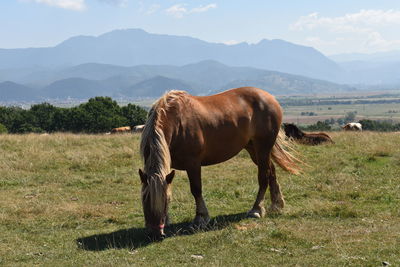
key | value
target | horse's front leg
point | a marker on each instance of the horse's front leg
(202, 218)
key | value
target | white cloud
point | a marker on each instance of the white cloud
(361, 19)
(316, 41)
(152, 9)
(366, 27)
(120, 3)
(231, 42)
(77, 5)
(180, 10)
(201, 9)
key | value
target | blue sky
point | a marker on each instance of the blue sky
(339, 26)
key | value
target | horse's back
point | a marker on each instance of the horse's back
(218, 127)
(241, 103)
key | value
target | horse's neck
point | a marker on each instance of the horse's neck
(159, 159)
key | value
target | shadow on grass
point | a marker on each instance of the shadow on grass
(137, 237)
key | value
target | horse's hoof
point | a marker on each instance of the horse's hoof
(253, 215)
(257, 213)
(275, 209)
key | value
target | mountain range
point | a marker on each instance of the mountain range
(377, 69)
(202, 78)
(136, 47)
(133, 63)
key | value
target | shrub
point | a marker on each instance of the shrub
(3, 129)
(319, 126)
(383, 126)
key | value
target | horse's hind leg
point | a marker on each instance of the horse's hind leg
(202, 218)
(266, 175)
(277, 201)
(260, 157)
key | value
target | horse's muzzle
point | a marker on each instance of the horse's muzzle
(157, 232)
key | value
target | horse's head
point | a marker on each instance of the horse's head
(155, 199)
(291, 130)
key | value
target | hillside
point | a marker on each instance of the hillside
(372, 73)
(136, 47)
(77, 88)
(155, 87)
(10, 91)
(381, 69)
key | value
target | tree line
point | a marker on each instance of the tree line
(367, 125)
(320, 102)
(98, 115)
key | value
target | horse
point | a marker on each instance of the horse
(186, 132)
(352, 126)
(124, 129)
(292, 131)
(138, 128)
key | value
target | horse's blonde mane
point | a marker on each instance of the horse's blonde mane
(154, 150)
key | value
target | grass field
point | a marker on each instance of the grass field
(74, 200)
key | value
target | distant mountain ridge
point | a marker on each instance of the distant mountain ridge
(389, 56)
(381, 68)
(10, 91)
(205, 77)
(137, 47)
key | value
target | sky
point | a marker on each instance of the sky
(332, 27)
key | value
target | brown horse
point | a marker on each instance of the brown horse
(125, 129)
(186, 132)
(292, 131)
(352, 126)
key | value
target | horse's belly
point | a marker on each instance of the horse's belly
(213, 151)
(211, 160)
(222, 150)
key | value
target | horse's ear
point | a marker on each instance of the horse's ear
(143, 177)
(170, 177)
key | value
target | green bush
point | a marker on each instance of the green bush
(382, 126)
(3, 129)
(319, 126)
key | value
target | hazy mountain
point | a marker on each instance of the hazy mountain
(155, 87)
(152, 81)
(276, 83)
(378, 69)
(77, 88)
(372, 73)
(389, 56)
(10, 91)
(137, 47)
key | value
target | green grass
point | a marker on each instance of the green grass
(74, 200)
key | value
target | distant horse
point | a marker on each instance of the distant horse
(186, 132)
(292, 131)
(124, 129)
(138, 128)
(352, 126)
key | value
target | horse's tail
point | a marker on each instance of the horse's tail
(281, 155)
